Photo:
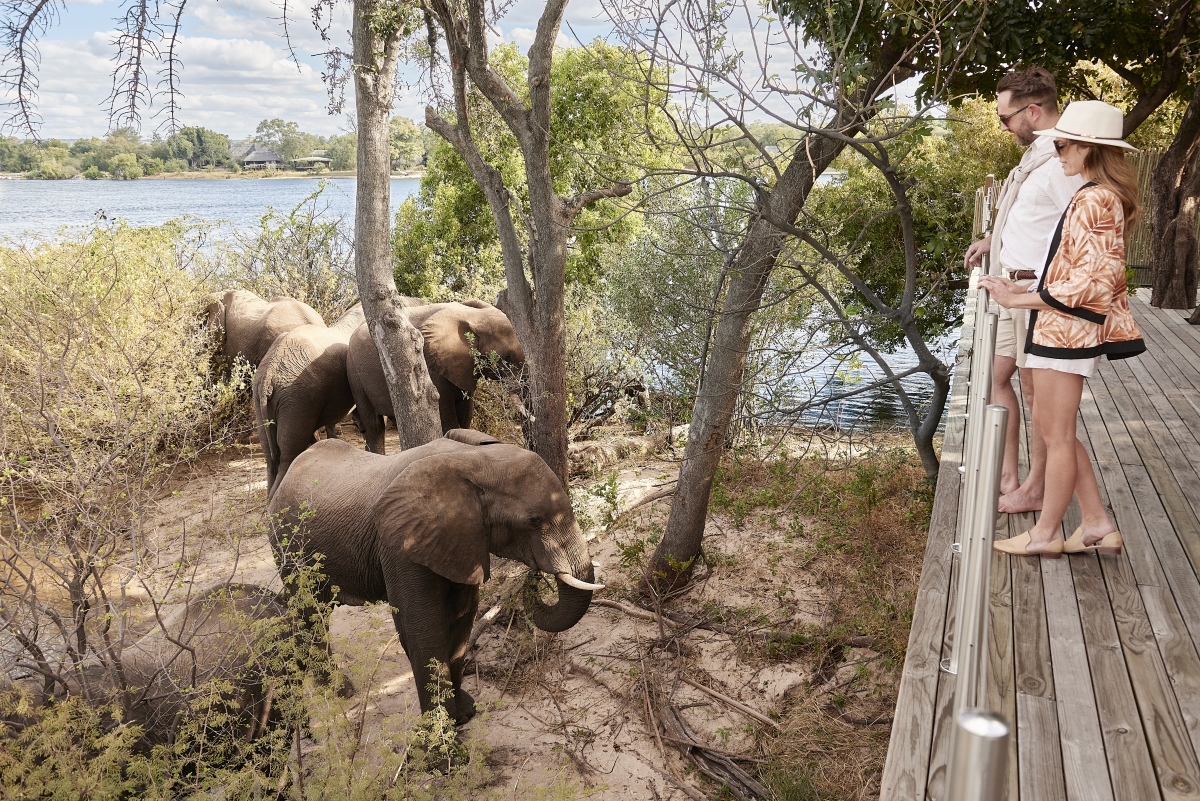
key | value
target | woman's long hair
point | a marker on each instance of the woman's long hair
(1109, 167)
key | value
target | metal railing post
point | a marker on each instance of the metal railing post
(979, 759)
(978, 396)
(975, 584)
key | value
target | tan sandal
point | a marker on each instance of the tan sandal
(1110, 544)
(1018, 545)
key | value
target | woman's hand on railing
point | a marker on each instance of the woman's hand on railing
(1006, 293)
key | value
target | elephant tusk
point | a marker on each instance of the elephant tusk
(571, 581)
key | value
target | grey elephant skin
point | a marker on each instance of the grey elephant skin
(416, 529)
(451, 332)
(301, 387)
(249, 325)
(211, 638)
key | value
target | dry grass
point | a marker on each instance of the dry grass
(811, 567)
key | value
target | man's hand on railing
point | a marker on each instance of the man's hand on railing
(976, 252)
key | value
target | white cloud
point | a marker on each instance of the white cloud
(523, 37)
(237, 69)
(228, 85)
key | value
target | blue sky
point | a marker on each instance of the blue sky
(236, 71)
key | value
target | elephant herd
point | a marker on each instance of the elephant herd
(416, 528)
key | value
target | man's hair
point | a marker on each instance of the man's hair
(1034, 85)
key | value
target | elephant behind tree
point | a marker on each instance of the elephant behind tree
(453, 333)
(249, 325)
(415, 529)
(300, 387)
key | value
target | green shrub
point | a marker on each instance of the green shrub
(93, 173)
(125, 167)
(305, 253)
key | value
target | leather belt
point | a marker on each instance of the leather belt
(1020, 275)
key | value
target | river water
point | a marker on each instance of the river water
(41, 207)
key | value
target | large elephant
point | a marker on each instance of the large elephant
(211, 639)
(415, 529)
(249, 325)
(301, 387)
(453, 333)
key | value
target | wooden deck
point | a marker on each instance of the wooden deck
(1095, 660)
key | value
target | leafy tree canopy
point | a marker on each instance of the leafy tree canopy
(1152, 45)
(944, 164)
(445, 241)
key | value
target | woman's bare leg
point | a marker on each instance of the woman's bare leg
(1095, 517)
(1056, 402)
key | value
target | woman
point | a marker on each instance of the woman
(1078, 311)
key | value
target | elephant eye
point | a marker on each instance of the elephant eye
(536, 521)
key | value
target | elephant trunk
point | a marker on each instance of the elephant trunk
(572, 603)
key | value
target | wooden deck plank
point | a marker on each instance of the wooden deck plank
(1186, 349)
(1175, 319)
(1138, 547)
(1182, 372)
(1124, 739)
(906, 770)
(1180, 465)
(1183, 517)
(1170, 744)
(1041, 759)
(1156, 555)
(1130, 765)
(1178, 653)
(1083, 757)
(1001, 695)
(1167, 732)
(1167, 398)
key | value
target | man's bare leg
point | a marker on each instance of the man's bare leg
(1027, 497)
(1003, 368)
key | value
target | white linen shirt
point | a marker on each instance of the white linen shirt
(1034, 215)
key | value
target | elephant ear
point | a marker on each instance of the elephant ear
(447, 351)
(214, 312)
(433, 514)
(470, 436)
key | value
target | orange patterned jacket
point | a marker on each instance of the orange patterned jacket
(1084, 284)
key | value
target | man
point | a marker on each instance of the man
(1027, 212)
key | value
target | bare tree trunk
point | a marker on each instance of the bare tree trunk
(400, 345)
(672, 563)
(1174, 193)
(537, 312)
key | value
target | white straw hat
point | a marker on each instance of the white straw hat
(1092, 121)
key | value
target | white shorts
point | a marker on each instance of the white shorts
(1083, 367)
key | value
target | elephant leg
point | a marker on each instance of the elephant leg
(331, 431)
(293, 440)
(427, 617)
(465, 602)
(448, 396)
(371, 424)
(464, 408)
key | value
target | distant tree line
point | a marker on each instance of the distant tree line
(123, 155)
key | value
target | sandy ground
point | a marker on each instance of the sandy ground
(572, 708)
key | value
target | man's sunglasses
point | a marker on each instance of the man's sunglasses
(1004, 118)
